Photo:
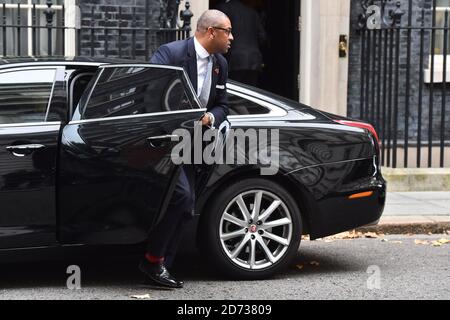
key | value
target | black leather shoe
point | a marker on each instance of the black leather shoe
(157, 273)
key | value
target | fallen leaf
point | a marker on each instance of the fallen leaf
(421, 242)
(371, 235)
(353, 235)
(300, 266)
(141, 297)
(306, 238)
(314, 263)
(436, 244)
(345, 235)
(444, 241)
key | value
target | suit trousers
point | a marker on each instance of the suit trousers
(166, 235)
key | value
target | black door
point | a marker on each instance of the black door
(28, 151)
(281, 51)
(116, 165)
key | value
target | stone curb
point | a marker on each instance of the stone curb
(408, 228)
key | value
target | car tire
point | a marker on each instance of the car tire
(251, 249)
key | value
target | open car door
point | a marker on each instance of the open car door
(116, 170)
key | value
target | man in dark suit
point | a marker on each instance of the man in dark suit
(201, 57)
(245, 58)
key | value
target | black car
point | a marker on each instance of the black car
(85, 161)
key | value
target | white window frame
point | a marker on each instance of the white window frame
(438, 74)
(72, 20)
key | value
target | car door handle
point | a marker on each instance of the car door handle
(24, 149)
(161, 141)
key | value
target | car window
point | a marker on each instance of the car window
(125, 91)
(78, 84)
(241, 106)
(25, 95)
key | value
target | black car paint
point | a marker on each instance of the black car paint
(321, 169)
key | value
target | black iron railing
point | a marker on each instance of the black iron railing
(15, 28)
(403, 80)
(121, 33)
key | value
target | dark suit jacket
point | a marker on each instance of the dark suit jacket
(249, 34)
(182, 54)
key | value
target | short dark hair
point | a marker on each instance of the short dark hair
(210, 18)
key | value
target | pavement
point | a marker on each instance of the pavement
(414, 212)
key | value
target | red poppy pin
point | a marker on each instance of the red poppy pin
(217, 70)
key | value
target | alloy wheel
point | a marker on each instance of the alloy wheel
(256, 229)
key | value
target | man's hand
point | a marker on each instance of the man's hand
(206, 120)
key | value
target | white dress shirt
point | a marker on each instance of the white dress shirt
(202, 64)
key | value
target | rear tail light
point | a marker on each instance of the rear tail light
(361, 125)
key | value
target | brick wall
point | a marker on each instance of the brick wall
(135, 14)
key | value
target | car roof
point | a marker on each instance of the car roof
(14, 61)
(94, 61)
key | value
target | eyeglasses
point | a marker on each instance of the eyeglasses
(226, 30)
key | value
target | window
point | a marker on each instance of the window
(20, 40)
(25, 95)
(441, 7)
(125, 91)
(438, 76)
(241, 106)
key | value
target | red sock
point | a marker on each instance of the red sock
(153, 259)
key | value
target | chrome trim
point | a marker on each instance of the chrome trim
(31, 124)
(136, 116)
(51, 95)
(194, 93)
(24, 148)
(140, 65)
(326, 164)
(18, 68)
(50, 64)
(165, 137)
(279, 124)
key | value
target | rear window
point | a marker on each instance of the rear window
(25, 95)
(241, 106)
